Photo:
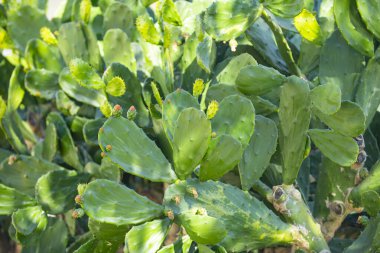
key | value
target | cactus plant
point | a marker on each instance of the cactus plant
(190, 126)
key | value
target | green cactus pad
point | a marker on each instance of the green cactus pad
(258, 79)
(91, 130)
(206, 54)
(333, 53)
(14, 174)
(333, 184)
(173, 105)
(109, 202)
(351, 28)
(223, 154)
(50, 143)
(190, 140)
(227, 19)
(340, 149)
(119, 15)
(25, 24)
(15, 90)
(117, 48)
(71, 34)
(147, 237)
(40, 55)
(190, 68)
(11, 200)
(42, 83)
(203, 229)
(134, 151)
(235, 117)
(95, 245)
(367, 192)
(68, 150)
(65, 104)
(284, 8)
(326, 98)
(133, 96)
(183, 243)
(368, 240)
(53, 239)
(108, 232)
(331, 70)
(219, 91)
(56, 190)
(264, 42)
(368, 93)
(29, 221)
(106, 170)
(82, 94)
(294, 114)
(257, 155)
(227, 71)
(349, 120)
(367, 10)
(251, 225)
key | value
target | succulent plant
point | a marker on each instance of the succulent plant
(258, 120)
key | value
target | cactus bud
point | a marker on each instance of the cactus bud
(170, 214)
(177, 199)
(156, 94)
(101, 130)
(212, 109)
(102, 154)
(85, 10)
(117, 111)
(12, 159)
(198, 87)
(116, 87)
(47, 36)
(192, 191)
(131, 114)
(108, 148)
(233, 45)
(106, 109)
(78, 199)
(213, 135)
(77, 213)
(81, 188)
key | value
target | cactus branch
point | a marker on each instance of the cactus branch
(282, 44)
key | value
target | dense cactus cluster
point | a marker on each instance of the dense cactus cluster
(257, 120)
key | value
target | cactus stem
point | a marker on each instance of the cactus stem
(283, 45)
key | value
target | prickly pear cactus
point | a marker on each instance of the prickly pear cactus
(190, 126)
